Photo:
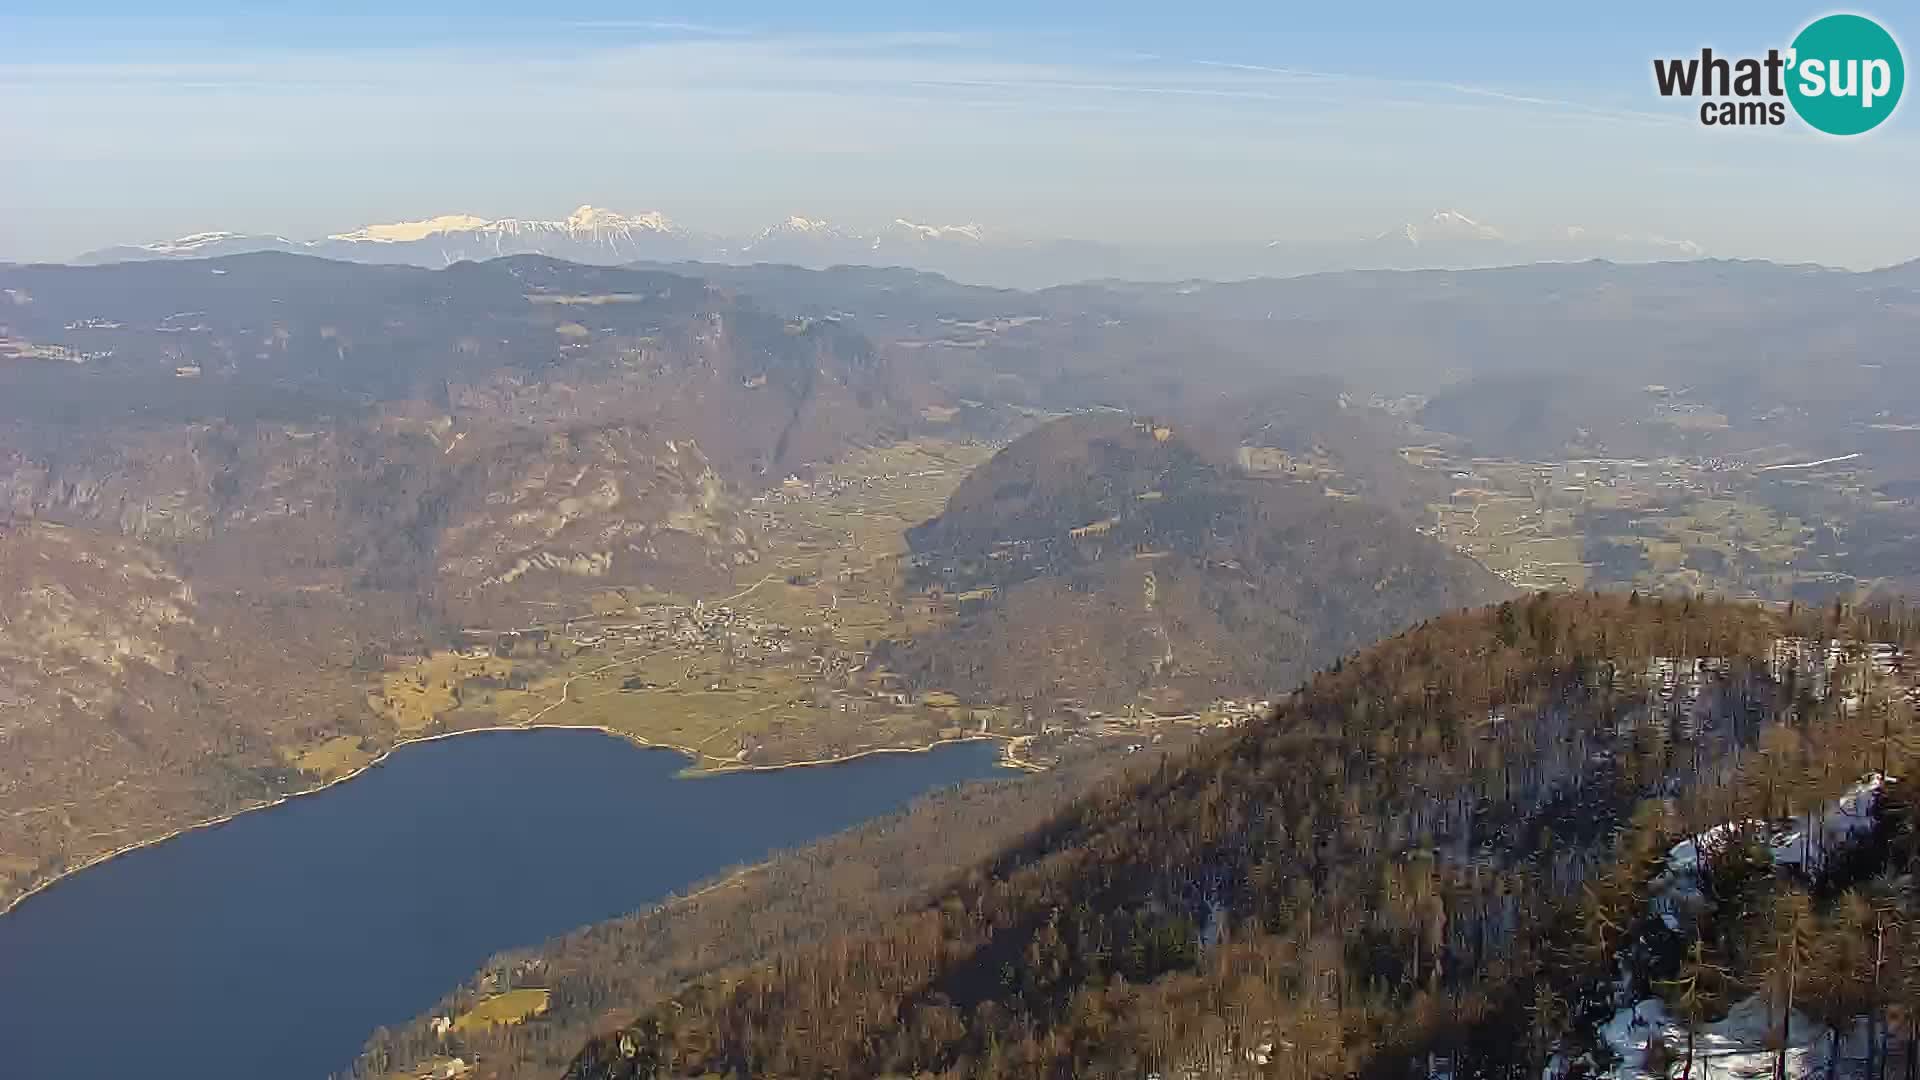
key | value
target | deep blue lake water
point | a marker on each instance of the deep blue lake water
(270, 947)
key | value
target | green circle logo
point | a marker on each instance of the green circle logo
(1846, 74)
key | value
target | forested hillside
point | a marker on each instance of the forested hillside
(1104, 558)
(1446, 855)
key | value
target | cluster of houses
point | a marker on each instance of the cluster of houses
(828, 485)
(793, 491)
(16, 349)
(698, 626)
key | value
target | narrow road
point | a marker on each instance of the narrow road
(745, 591)
(567, 684)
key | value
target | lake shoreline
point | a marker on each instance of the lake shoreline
(1008, 759)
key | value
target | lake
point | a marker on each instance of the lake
(271, 946)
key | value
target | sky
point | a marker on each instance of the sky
(1189, 125)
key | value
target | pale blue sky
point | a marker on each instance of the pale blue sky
(1157, 124)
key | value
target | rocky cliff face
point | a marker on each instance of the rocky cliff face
(589, 507)
(81, 610)
(150, 485)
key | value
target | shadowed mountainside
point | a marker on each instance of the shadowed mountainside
(1103, 557)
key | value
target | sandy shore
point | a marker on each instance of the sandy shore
(1009, 758)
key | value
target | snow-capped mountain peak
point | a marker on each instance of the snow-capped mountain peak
(802, 237)
(1450, 225)
(970, 231)
(203, 242)
(1442, 226)
(587, 218)
(401, 232)
(1636, 243)
(1442, 238)
(798, 224)
(198, 239)
(1459, 222)
(589, 234)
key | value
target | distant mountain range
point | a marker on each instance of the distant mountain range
(1448, 239)
(1451, 239)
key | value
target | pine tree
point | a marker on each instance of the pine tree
(1697, 992)
(1787, 954)
(1839, 981)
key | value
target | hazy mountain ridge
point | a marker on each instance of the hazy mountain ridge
(968, 251)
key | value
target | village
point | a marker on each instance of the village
(695, 626)
(713, 651)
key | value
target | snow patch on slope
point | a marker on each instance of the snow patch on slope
(589, 218)
(798, 224)
(971, 231)
(585, 220)
(1806, 842)
(1734, 1048)
(187, 245)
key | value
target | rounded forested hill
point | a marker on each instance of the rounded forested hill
(1106, 556)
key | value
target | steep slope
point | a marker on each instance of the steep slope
(1106, 559)
(1418, 865)
(612, 503)
(132, 702)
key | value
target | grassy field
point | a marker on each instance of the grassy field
(335, 757)
(512, 1007)
(414, 694)
(15, 868)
